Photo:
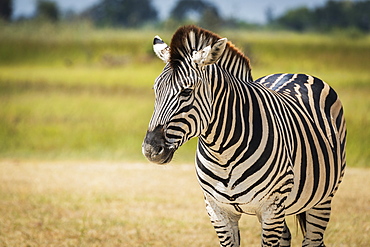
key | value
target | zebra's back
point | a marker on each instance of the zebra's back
(317, 143)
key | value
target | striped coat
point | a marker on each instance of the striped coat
(271, 147)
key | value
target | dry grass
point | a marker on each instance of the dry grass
(121, 204)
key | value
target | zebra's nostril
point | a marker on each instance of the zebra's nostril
(160, 150)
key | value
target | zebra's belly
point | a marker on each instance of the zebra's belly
(251, 202)
(240, 200)
(245, 196)
(312, 184)
(252, 205)
(295, 205)
(237, 207)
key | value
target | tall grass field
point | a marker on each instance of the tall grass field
(77, 93)
(84, 94)
(75, 103)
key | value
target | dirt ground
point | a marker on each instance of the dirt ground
(141, 204)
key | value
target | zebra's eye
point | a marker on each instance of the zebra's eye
(186, 92)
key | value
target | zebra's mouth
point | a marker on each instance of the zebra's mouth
(159, 155)
(155, 148)
(166, 155)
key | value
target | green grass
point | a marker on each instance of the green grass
(121, 204)
(74, 92)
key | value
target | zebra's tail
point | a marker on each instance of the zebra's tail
(301, 219)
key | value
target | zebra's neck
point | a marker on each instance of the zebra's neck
(236, 63)
(233, 120)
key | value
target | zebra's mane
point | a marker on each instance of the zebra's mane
(192, 38)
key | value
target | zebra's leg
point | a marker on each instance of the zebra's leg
(224, 222)
(285, 237)
(272, 218)
(317, 219)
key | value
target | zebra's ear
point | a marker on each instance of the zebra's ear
(161, 49)
(210, 54)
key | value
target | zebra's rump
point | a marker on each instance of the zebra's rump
(315, 138)
(317, 100)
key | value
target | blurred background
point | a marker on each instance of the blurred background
(76, 76)
(76, 97)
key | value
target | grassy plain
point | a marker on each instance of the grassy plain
(78, 93)
(82, 98)
(133, 204)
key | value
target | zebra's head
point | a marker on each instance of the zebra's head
(183, 96)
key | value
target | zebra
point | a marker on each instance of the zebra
(272, 147)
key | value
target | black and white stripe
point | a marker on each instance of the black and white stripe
(271, 147)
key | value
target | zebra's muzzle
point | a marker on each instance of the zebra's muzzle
(154, 147)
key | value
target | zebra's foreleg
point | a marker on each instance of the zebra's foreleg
(317, 218)
(224, 222)
(272, 218)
